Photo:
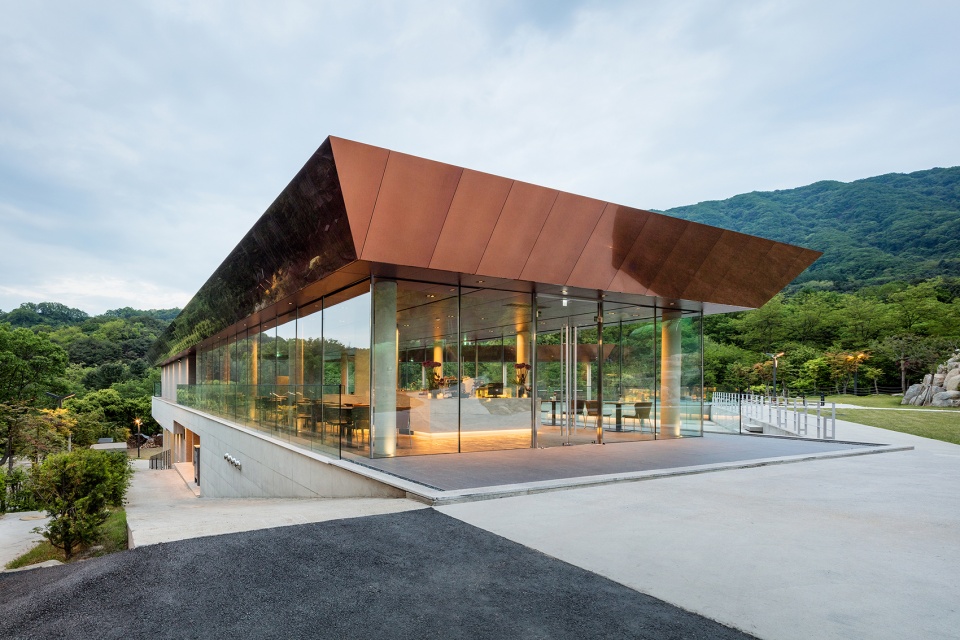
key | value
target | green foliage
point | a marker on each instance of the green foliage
(105, 414)
(16, 491)
(884, 229)
(113, 537)
(30, 363)
(76, 489)
(904, 330)
(101, 360)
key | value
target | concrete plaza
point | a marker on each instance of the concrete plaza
(856, 547)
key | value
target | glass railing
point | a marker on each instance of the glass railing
(320, 418)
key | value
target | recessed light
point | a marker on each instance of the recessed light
(481, 281)
(431, 295)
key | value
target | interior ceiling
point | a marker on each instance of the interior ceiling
(427, 313)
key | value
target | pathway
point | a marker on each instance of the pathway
(161, 508)
(16, 534)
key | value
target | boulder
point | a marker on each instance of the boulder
(952, 381)
(946, 399)
(927, 379)
(911, 394)
(938, 379)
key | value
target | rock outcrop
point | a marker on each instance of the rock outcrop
(938, 389)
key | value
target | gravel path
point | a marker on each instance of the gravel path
(418, 574)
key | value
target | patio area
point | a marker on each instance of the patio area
(626, 461)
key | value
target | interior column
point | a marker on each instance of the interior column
(385, 355)
(670, 367)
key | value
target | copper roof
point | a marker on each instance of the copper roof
(410, 211)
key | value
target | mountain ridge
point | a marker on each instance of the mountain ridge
(892, 227)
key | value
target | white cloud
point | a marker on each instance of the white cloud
(144, 139)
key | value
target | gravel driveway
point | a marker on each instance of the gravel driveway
(418, 574)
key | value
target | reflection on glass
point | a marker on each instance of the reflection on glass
(453, 370)
(495, 393)
(345, 402)
(629, 371)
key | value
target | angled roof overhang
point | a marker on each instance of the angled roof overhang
(354, 209)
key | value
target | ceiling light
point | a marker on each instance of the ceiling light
(431, 295)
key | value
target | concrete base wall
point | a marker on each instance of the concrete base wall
(269, 468)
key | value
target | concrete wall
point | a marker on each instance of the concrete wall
(270, 468)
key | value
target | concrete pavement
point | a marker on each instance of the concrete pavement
(16, 534)
(864, 547)
(161, 508)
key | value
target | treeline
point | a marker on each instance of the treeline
(881, 336)
(95, 365)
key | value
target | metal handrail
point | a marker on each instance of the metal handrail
(161, 460)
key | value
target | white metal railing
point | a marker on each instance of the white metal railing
(789, 416)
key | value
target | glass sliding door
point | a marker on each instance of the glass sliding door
(567, 375)
(630, 372)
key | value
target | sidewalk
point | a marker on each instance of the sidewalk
(861, 547)
(161, 508)
(16, 534)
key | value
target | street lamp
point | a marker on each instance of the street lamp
(855, 361)
(775, 356)
(59, 399)
(136, 421)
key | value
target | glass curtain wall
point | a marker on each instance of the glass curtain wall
(453, 369)
(630, 372)
(345, 398)
(289, 378)
(496, 348)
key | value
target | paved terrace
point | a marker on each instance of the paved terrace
(448, 478)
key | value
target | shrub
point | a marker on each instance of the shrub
(76, 489)
(16, 491)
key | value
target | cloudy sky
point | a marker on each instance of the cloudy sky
(140, 140)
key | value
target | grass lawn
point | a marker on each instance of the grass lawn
(113, 537)
(880, 402)
(937, 425)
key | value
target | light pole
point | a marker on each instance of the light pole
(775, 356)
(59, 399)
(136, 421)
(857, 359)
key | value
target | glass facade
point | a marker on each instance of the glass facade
(393, 367)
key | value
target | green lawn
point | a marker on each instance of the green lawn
(879, 402)
(113, 538)
(937, 425)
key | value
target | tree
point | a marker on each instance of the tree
(75, 489)
(906, 350)
(29, 364)
(44, 432)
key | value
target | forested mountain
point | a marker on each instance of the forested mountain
(894, 227)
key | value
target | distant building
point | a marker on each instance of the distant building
(387, 305)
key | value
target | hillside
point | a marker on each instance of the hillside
(894, 227)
